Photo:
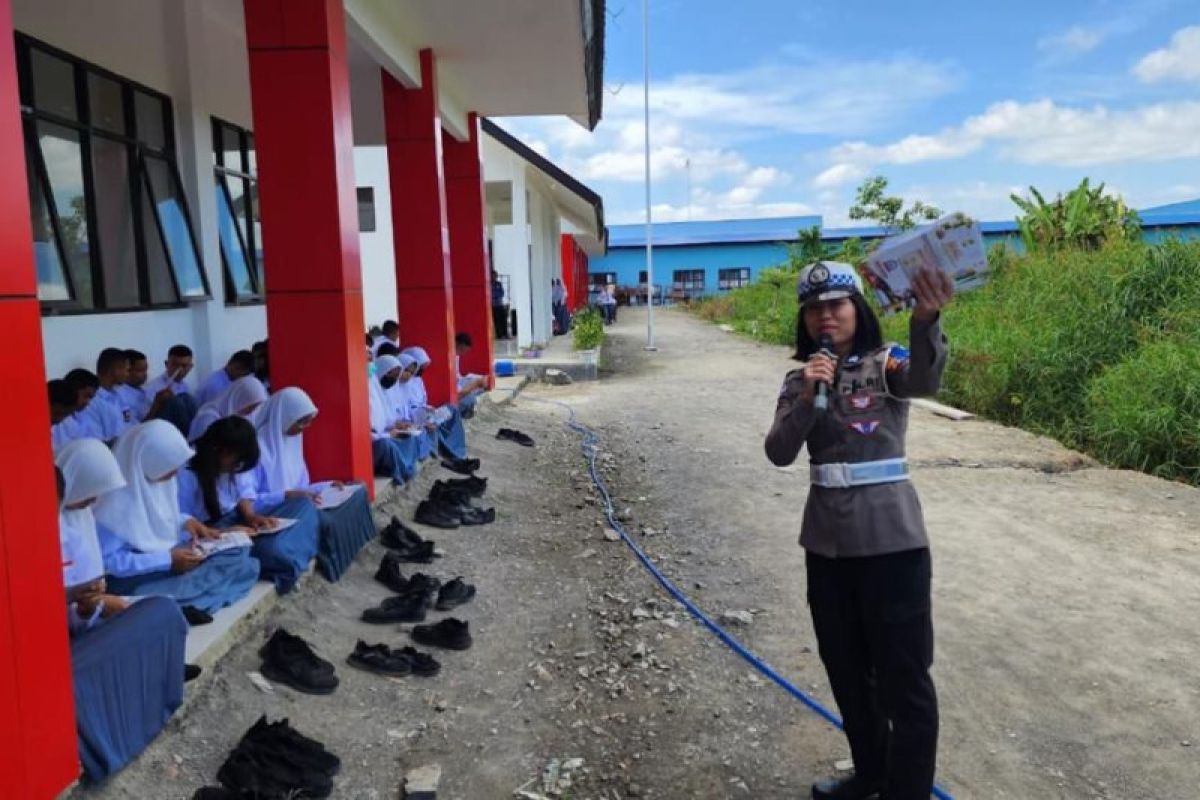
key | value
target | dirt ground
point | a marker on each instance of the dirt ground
(1066, 610)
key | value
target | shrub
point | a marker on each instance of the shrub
(589, 329)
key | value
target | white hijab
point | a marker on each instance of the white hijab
(89, 471)
(145, 513)
(382, 415)
(281, 457)
(400, 394)
(243, 392)
(418, 396)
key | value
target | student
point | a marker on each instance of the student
(470, 387)
(108, 412)
(608, 303)
(149, 544)
(282, 474)
(239, 365)
(389, 334)
(262, 364)
(127, 659)
(88, 470)
(241, 398)
(136, 400)
(867, 550)
(218, 486)
(85, 384)
(386, 348)
(499, 308)
(452, 438)
(394, 450)
(173, 400)
(64, 425)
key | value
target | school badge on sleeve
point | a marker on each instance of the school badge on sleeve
(897, 358)
(865, 427)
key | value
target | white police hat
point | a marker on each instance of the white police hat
(828, 280)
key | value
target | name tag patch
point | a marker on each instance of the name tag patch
(865, 427)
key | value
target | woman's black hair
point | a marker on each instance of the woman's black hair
(868, 335)
(228, 434)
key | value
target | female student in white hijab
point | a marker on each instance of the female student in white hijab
(149, 545)
(395, 450)
(282, 475)
(409, 410)
(127, 658)
(241, 397)
(452, 438)
(219, 485)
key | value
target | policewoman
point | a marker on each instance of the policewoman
(867, 553)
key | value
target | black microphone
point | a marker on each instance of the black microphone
(821, 401)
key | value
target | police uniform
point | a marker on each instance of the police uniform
(867, 556)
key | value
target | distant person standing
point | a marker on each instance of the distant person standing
(558, 297)
(608, 303)
(499, 308)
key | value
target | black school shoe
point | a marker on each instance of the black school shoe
(288, 659)
(389, 574)
(401, 608)
(380, 659)
(435, 515)
(454, 594)
(422, 664)
(513, 435)
(449, 495)
(398, 536)
(422, 584)
(472, 485)
(463, 466)
(477, 516)
(262, 773)
(264, 733)
(190, 672)
(450, 633)
(195, 616)
(848, 788)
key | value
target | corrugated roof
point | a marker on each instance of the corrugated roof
(724, 231)
(1185, 207)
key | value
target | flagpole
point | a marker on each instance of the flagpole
(649, 225)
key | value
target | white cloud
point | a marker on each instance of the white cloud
(1180, 60)
(1075, 41)
(839, 175)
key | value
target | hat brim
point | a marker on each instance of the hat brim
(832, 294)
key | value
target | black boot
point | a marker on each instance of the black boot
(848, 788)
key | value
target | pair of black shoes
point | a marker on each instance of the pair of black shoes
(406, 544)
(289, 660)
(382, 660)
(472, 485)
(851, 787)
(450, 633)
(513, 435)
(274, 760)
(415, 595)
(463, 466)
(450, 506)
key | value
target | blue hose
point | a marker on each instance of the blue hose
(590, 444)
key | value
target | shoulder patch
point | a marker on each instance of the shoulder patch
(897, 358)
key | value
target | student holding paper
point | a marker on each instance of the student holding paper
(394, 449)
(241, 398)
(345, 520)
(148, 541)
(219, 485)
(867, 551)
(452, 438)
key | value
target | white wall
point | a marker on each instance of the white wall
(196, 54)
(378, 257)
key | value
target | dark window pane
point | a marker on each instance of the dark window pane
(162, 289)
(252, 166)
(106, 103)
(64, 166)
(150, 124)
(176, 230)
(114, 222)
(366, 209)
(256, 240)
(232, 248)
(238, 202)
(51, 280)
(231, 145)
(53, 84)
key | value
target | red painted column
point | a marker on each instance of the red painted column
(300, 92)
(581, 279)
(466, 209)
(420, 230)
(38, 751)
(567, 256)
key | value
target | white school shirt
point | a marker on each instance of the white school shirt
(231, 490)
(213, 385)
(136, 400)
(156, 385)
(68, 430)
(108, 415)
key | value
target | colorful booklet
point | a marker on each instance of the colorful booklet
(227, 541)
(953, 244)
(281, 524)
(332, 497)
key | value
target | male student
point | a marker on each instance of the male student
(85, 385)
(469, 386)
(130, 392)
(107, 410)
(64, 426)
(177, 407)
(390, 334)
(262, 363)
(239, 365)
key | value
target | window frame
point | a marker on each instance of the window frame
(137, 179)
(690, 282)
(608, 277)
(733, 278)
(222, 173)
(358, 198)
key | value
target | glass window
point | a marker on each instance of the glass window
(106, 103)
(51, 279)
(53, 84)
(366, 209)
(233, 248)
(688, 280)
(63, 157)
(114, 223)
(237, 211)
(733, 278)
(167, 196)
(151, 124)
(231, 148)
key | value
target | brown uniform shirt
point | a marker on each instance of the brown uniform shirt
(866, 421)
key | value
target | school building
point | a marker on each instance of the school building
(693, 259)
(183, 171)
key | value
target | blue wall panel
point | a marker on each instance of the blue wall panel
(629, 262)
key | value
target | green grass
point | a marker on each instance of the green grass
(1100, 350)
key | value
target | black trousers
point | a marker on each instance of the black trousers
(500, 321)
(875, 635)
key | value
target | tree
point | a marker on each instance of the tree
(808, 248)
(1084, 218)
(871, 202)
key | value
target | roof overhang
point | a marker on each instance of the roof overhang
(580, 207)
(499, 59)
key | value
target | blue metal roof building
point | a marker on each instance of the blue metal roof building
(705, 257)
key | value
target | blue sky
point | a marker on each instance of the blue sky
(781, 107)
